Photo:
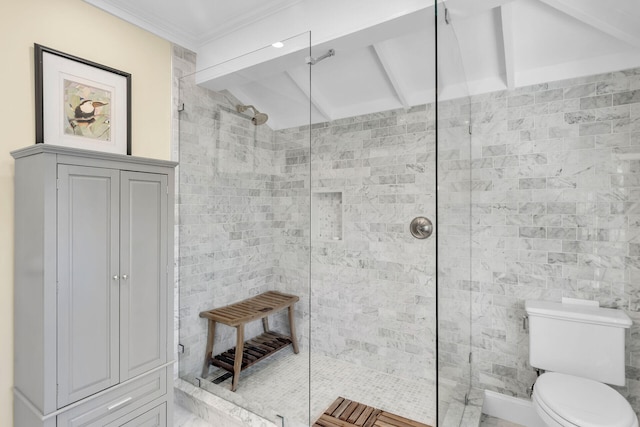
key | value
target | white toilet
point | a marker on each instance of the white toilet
(580, 347)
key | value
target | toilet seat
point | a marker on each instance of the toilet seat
(567, 401)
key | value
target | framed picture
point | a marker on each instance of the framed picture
(80, 103)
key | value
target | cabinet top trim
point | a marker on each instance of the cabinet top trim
(57, 149)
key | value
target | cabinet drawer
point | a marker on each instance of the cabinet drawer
(156, 417)
(116, 403)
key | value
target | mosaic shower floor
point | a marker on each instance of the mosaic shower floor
(280, 386)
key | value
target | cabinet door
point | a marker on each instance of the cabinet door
(143, 260)
(88, 319)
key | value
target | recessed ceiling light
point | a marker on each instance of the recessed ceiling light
(278, 45)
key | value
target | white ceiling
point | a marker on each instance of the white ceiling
(385, 51)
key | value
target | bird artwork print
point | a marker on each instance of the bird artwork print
(88, 112)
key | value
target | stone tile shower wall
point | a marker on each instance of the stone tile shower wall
(556, 213)
(373, 284)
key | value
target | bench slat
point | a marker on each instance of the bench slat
(251, 309)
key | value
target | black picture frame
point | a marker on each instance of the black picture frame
(61, 77)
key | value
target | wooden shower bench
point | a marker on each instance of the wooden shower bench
(246, 354)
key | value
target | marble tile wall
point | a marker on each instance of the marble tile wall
(214, 410)
(555, 213)
(373, 292)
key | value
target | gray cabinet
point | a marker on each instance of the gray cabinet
(92, 297)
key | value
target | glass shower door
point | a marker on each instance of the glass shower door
(457, 406)
(243, 231)
(373, 171)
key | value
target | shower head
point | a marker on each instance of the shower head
(258, 117)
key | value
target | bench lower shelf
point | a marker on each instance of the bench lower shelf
(255, 350)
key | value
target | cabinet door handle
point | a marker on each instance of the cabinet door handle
(115, 277)
(114, 406)
(125, 277)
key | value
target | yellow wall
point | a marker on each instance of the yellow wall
(80, 29)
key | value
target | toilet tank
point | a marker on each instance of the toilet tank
(580, 340)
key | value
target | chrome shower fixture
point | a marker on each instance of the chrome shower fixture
(258, 117)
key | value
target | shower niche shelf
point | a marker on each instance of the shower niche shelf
(326, 216)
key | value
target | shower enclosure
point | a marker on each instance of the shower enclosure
(304, 169)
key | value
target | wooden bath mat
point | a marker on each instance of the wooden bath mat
(347, 413)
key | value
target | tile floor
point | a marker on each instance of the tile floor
(487, 421)
(280, 387)
(184, 418)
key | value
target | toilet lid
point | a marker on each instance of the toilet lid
(579, 401)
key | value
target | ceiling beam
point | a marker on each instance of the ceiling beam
(609, 20)
(383, 57)
(300, 77)
(506, 18)
(583, 67)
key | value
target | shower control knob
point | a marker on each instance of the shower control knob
(421, 227)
